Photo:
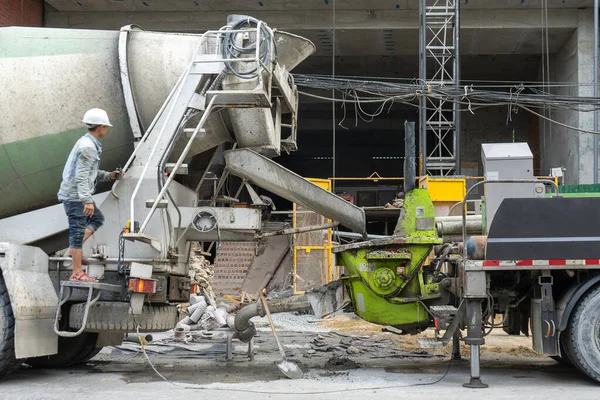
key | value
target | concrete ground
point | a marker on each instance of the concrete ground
(379, 364)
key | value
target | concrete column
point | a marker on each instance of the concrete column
(572, 65)
(585, 52)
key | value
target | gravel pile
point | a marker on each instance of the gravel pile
(291, 322)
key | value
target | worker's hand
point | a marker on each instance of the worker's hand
(88, 209)
(116, 174)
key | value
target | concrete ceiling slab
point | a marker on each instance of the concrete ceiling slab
(293, 5)
(502, 67)
(403, 42)
(307, 19)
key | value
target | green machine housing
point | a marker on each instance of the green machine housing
(389, 280)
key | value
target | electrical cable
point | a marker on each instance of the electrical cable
(481, 82)
(197, 387)
(230, 49)
(370, 91)
(382, 93)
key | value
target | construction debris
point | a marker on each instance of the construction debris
(203, 314)
(396, 203)
(201, 270)
(343, 345)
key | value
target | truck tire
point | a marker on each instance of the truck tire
(8, 362)
(564, 357)
(582, 337)
(85, 357)
(71, 351)
(115, 317)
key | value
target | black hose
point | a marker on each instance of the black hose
(442, 260)
(230, 49)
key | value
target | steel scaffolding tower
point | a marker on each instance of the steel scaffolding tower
(439, 65)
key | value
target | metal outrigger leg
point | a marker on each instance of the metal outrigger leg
(475, 340)
(90, 302)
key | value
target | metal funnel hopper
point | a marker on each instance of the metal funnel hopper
(292, 49)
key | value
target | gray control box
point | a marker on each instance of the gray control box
(507, 161)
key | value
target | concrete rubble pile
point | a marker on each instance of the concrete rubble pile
(203, 314)
(201, 271)
(344, 345)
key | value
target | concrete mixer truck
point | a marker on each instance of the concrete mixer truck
(190, 113)
(181, 106)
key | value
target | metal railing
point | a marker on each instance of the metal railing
(463, 208)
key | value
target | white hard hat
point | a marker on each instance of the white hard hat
(96, 116)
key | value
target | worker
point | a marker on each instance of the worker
(78, 184)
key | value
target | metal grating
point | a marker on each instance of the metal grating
(231, 267)
(311, 269)
(439, 66)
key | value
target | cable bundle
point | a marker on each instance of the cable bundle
(230, 49)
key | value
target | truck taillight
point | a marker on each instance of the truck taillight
(138, 285)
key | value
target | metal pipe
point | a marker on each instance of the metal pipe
(459, 203)
(475, 371)
(455, 227)
(198, 312)
(409, 156)
(352, 235)
(112, 260)
(289, 304)
(456, 111)
(454, 218)
(231, 321)
(177, 165)
(423, 83)
(302, 229)
(333, 105)
(245, 329)
(474, 339)
(596, 91)
(134, 337)
(154, 148)
(464, 215)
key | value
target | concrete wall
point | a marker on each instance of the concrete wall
(561, 146)
(491, 125)
(21, 12)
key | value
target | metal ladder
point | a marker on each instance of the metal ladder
(69, 285)
(185, 97)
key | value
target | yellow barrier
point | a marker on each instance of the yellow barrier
(326, 270)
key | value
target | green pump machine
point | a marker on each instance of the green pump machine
(390, 280)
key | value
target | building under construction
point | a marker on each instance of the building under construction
(337, 150)
(544, 44)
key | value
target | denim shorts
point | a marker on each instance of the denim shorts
(78, 222)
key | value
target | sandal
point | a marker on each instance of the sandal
(82, 278)
(84, 260)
